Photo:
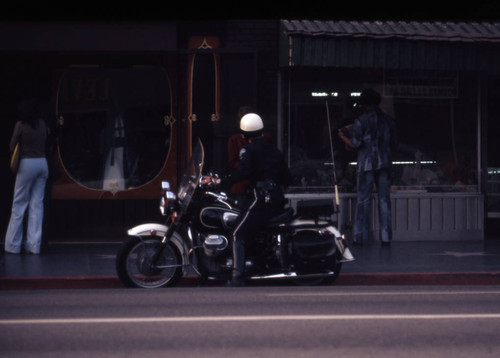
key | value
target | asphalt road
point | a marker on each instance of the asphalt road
(348, 321)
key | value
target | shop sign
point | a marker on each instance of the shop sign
(423, 87)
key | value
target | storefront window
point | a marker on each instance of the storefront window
(493, 150)
(435, 114)
(115, 134)
(493, 189)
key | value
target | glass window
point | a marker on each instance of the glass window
(493, 190)
(435, 114)
(114, 136)
(493, 150)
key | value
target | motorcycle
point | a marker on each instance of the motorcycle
(300, 245)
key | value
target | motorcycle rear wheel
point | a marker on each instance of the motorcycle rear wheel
(133, 263)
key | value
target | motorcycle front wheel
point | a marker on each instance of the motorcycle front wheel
(135, 267)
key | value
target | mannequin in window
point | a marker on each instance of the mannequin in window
(114, 171)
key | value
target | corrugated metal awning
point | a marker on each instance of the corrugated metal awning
(437, 31)
(391, 44)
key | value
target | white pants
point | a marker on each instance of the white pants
(29, 191)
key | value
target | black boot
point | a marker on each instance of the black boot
(285, 264)
(239, 265)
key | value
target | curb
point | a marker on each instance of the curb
(59, 282)
(420, 278)
(347, 279)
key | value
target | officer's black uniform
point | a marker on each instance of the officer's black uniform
(264, 166)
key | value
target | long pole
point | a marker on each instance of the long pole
(337, 202)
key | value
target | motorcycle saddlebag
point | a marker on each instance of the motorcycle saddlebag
(310, 244)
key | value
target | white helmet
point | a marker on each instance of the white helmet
(251, 122)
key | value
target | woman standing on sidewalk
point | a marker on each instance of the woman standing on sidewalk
(31, 133)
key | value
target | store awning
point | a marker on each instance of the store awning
(391, 44)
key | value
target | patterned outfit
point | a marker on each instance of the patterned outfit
(374, 135)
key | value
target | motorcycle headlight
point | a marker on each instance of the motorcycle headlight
(167, 201)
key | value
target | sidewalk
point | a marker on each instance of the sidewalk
(92, 265)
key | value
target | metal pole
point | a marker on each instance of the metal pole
(337, 202)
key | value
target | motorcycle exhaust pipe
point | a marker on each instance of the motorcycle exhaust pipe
(292, 275)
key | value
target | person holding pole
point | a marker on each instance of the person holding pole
(374, 136)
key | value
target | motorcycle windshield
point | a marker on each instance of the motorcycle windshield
(191, 177)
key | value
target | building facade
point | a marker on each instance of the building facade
(440, 83)
(134, 96)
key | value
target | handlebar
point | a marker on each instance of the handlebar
(221, 198)
(217, 196)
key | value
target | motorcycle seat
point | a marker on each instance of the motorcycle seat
(282, 218)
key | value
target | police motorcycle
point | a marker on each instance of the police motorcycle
(196, 237)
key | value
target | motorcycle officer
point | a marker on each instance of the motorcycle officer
(264, 166)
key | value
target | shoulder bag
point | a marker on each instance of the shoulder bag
(14, 160)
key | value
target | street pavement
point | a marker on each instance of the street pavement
(86, 264)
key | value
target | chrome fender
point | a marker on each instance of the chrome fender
(151, 229)
(155, 229)
(341, 244)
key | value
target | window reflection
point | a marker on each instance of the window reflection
(114, 137)
(437, 130)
